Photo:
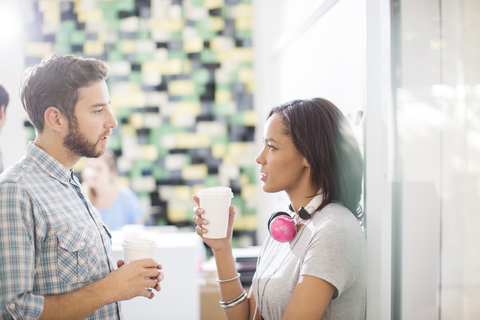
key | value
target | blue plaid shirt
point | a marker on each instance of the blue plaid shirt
(52, 239)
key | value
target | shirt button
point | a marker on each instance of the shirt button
(82, 244)
(12, 306)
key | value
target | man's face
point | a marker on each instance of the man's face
(93, 122)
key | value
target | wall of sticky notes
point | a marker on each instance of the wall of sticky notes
(181, 86)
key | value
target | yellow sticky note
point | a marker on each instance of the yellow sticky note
(243, 24)
(212, 4)
(123, 181)
(244, 11)
(193, 108)
(171, 25)
(182, 193)
(89, 15)
(128, 130)
(219, 150)
(177, 214)
(193, 45)
(236, 148)
(195, 172)
(181, 87)
(93, 48)
(246, 222)
(237, 54)
(221, 43)
(172, 66)
(222, 96)
(136, 120)
(249, 191)
(245, 75)
(132, 100)
(192, 140)
(128, 46)
(50, 10)
(38, 49)
(250, 118)
(149, 152)
(216, 24)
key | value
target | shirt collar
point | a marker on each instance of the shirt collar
(49, 164)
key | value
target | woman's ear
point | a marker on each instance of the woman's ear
(305, 163)
(55, 119)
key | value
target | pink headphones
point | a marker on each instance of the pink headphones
(282, 226)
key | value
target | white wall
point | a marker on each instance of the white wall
(13, 136)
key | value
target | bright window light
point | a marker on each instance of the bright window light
(10, 22)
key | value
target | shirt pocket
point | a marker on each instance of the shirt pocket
(77, 255)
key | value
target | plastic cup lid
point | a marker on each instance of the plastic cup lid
(215, 192)
(139, 243)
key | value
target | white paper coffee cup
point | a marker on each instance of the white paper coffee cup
(138, 248)
(216, 203)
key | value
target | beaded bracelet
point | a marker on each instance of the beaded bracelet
(233, 302)
(231, 279)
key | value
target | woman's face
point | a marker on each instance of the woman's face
(98, 173)
(282, 166)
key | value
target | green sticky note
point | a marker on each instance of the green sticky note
(115, 55)
(201, 76)
(115, 142)
(135, 76)
(243, 34)
(220, 139)
(221, 109)
(206, 35)
(125, 5)
(251, 172)
(208, 56)
(236, 118)
(78, 37)
(177, 54)
(63, 47)
(68, 25)
(112, 24)
(143, 35)
(143, 56)
(211, 180)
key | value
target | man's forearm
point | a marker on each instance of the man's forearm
(78, 304)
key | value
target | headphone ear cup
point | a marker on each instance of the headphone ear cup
(281, 226)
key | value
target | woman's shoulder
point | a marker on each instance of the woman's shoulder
(338, 218)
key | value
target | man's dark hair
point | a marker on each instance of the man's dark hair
(4, 96)
(55, 83)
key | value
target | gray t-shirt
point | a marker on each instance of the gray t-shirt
(330, 246)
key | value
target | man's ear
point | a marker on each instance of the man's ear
(55, 119)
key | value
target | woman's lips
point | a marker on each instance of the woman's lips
(263, 176)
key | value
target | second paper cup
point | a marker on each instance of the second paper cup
(216, 203)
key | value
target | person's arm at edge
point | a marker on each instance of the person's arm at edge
(81, 303)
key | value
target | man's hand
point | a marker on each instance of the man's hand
(136, 278)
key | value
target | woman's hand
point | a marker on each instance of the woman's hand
(215, 244)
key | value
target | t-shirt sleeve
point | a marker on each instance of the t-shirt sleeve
(136, 210)
(17, 256)
(334, 253)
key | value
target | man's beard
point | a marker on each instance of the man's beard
(78, 144)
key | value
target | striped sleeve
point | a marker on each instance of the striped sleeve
(17, 255)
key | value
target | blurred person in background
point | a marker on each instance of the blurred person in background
(4, 99)
(118, 205)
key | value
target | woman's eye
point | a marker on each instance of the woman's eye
(270, 147)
